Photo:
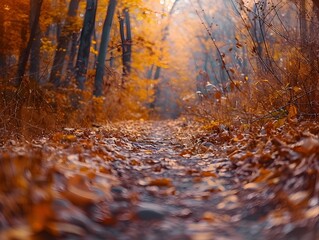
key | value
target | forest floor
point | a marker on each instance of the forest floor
(162, 180)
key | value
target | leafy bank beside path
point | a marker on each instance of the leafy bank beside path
(163, 180)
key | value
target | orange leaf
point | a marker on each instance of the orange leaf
(40, 214)
(161, 182)
(208, 174)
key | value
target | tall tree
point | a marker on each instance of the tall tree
(26, 53)
(72, 56)
(316, 4)
(126, 40)
(165, 36)
(2, 34)
(105, 39)
(258, 30)
(85, 43)
(159, 87)
(63, 43)
(35, 49)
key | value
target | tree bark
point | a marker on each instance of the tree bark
(63, 43)
(2, 47)
(85, 43)
(123, 39)
(98, 84)
(126, 40)
(72, 55)
(95, 49)
(303, 24)
(26, 53)
(316, 4)
(35, 49)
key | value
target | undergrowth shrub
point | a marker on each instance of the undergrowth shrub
(281, 81)
(33, 109)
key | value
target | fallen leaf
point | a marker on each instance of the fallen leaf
(252, 185)
(298, 197)
(208, 216)
(161, 182)
(207, 174)
(312, 212)
(307, 146)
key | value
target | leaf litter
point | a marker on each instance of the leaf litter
(163, 179)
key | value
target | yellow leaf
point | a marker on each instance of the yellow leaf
(279, 122)
(296, 89)
(70, 138)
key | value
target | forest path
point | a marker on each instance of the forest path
(141, 180)
(181, 194)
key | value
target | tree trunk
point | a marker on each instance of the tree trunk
(72, 55)
(150, 72)
(157, 73)
(95, 49)
(26, 53)
(128, 42)
(85, 43)
(303, 24)
(316, 6)
(123, 40)
(2, 47)
(35, 49)
(164, 37)
(63, 43)
(23, 42)
(98, 84)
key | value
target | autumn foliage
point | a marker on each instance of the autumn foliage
(88, 147)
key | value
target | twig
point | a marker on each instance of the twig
(217, 48)
(278, 109)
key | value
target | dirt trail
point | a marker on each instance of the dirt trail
(181, 195)
(131, 180)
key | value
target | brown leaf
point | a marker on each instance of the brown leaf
(218, 95)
